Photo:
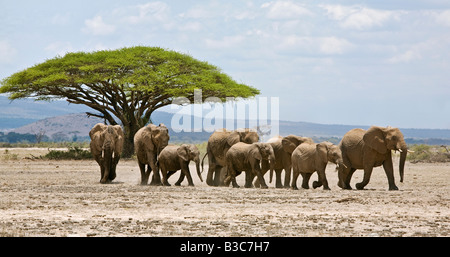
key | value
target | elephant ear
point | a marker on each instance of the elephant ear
(98, 127)
(147, 136)
(255, 152)
(322, 151)
(374, 138)
(289, 143)
(183, 153)
(120, 138)
(233, 138)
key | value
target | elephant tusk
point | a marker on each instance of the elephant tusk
(409, 151)
(103, 153)
(400, 150)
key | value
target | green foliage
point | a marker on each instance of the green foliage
(138, 69)
(72, 153)
(428, 153)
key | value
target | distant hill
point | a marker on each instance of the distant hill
(63, 127)
(66, 127)
(17, 113)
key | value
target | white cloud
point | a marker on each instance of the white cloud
(154, 11)
(359, 17)
(225, 42)
(7, 52)
(314, 45)
(405, 57)
(199, 12)
(191, 26)
(59, 48)
(96, 26)
(443, 18)
(285, 10)
(333, 45)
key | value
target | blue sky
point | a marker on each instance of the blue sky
(332, 62)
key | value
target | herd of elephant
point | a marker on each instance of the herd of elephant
(232, 152)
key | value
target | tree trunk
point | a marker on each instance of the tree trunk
(128, 144)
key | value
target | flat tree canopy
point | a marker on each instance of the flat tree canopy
(127, 84)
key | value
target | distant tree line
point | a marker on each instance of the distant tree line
(13, 137)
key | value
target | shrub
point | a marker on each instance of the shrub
(428, 153)
(73, 153)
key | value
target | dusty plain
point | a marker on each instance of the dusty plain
(64, 198)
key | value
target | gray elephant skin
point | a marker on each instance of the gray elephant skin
(309, 157)
(177, 157)
(149, 141)
(218, 144)
(247, 157)
(283, 148)
(363, 149)
(106, 147)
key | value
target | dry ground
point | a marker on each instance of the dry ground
(64, 198)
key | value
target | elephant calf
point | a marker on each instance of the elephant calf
(247, 157)
(106, 146)
(174, 157)
(309, 157)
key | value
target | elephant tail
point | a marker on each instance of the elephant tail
(204, 159)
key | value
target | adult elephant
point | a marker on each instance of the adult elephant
(247, 157)
(363, 149)
(283, 148)
(218, 144)
(177, 157)
(309, 158)
(106, 147)
(149, 141)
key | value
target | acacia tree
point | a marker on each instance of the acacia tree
(127, 84)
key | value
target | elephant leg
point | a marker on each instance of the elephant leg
(264, 169)
(187, 173)
(257, 171)
(102, 171)
(322, 180)
(217, 176)
(294, 179)
(249, 179)
(99, 161)
(165, 176)
(112, 172)
(156, 179)
(305, 182)
(344, 182)
(278, 178)
(231, 176)
(367, 173)
(389, 170)
(180, 179)
(209, 176)
(144, 174)
(287, 176)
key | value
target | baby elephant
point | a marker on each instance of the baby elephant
(247, 157)
(309, 158)
(174, 157)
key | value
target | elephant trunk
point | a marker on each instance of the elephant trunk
(403, 153)
(197, 166)
(107, 154)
